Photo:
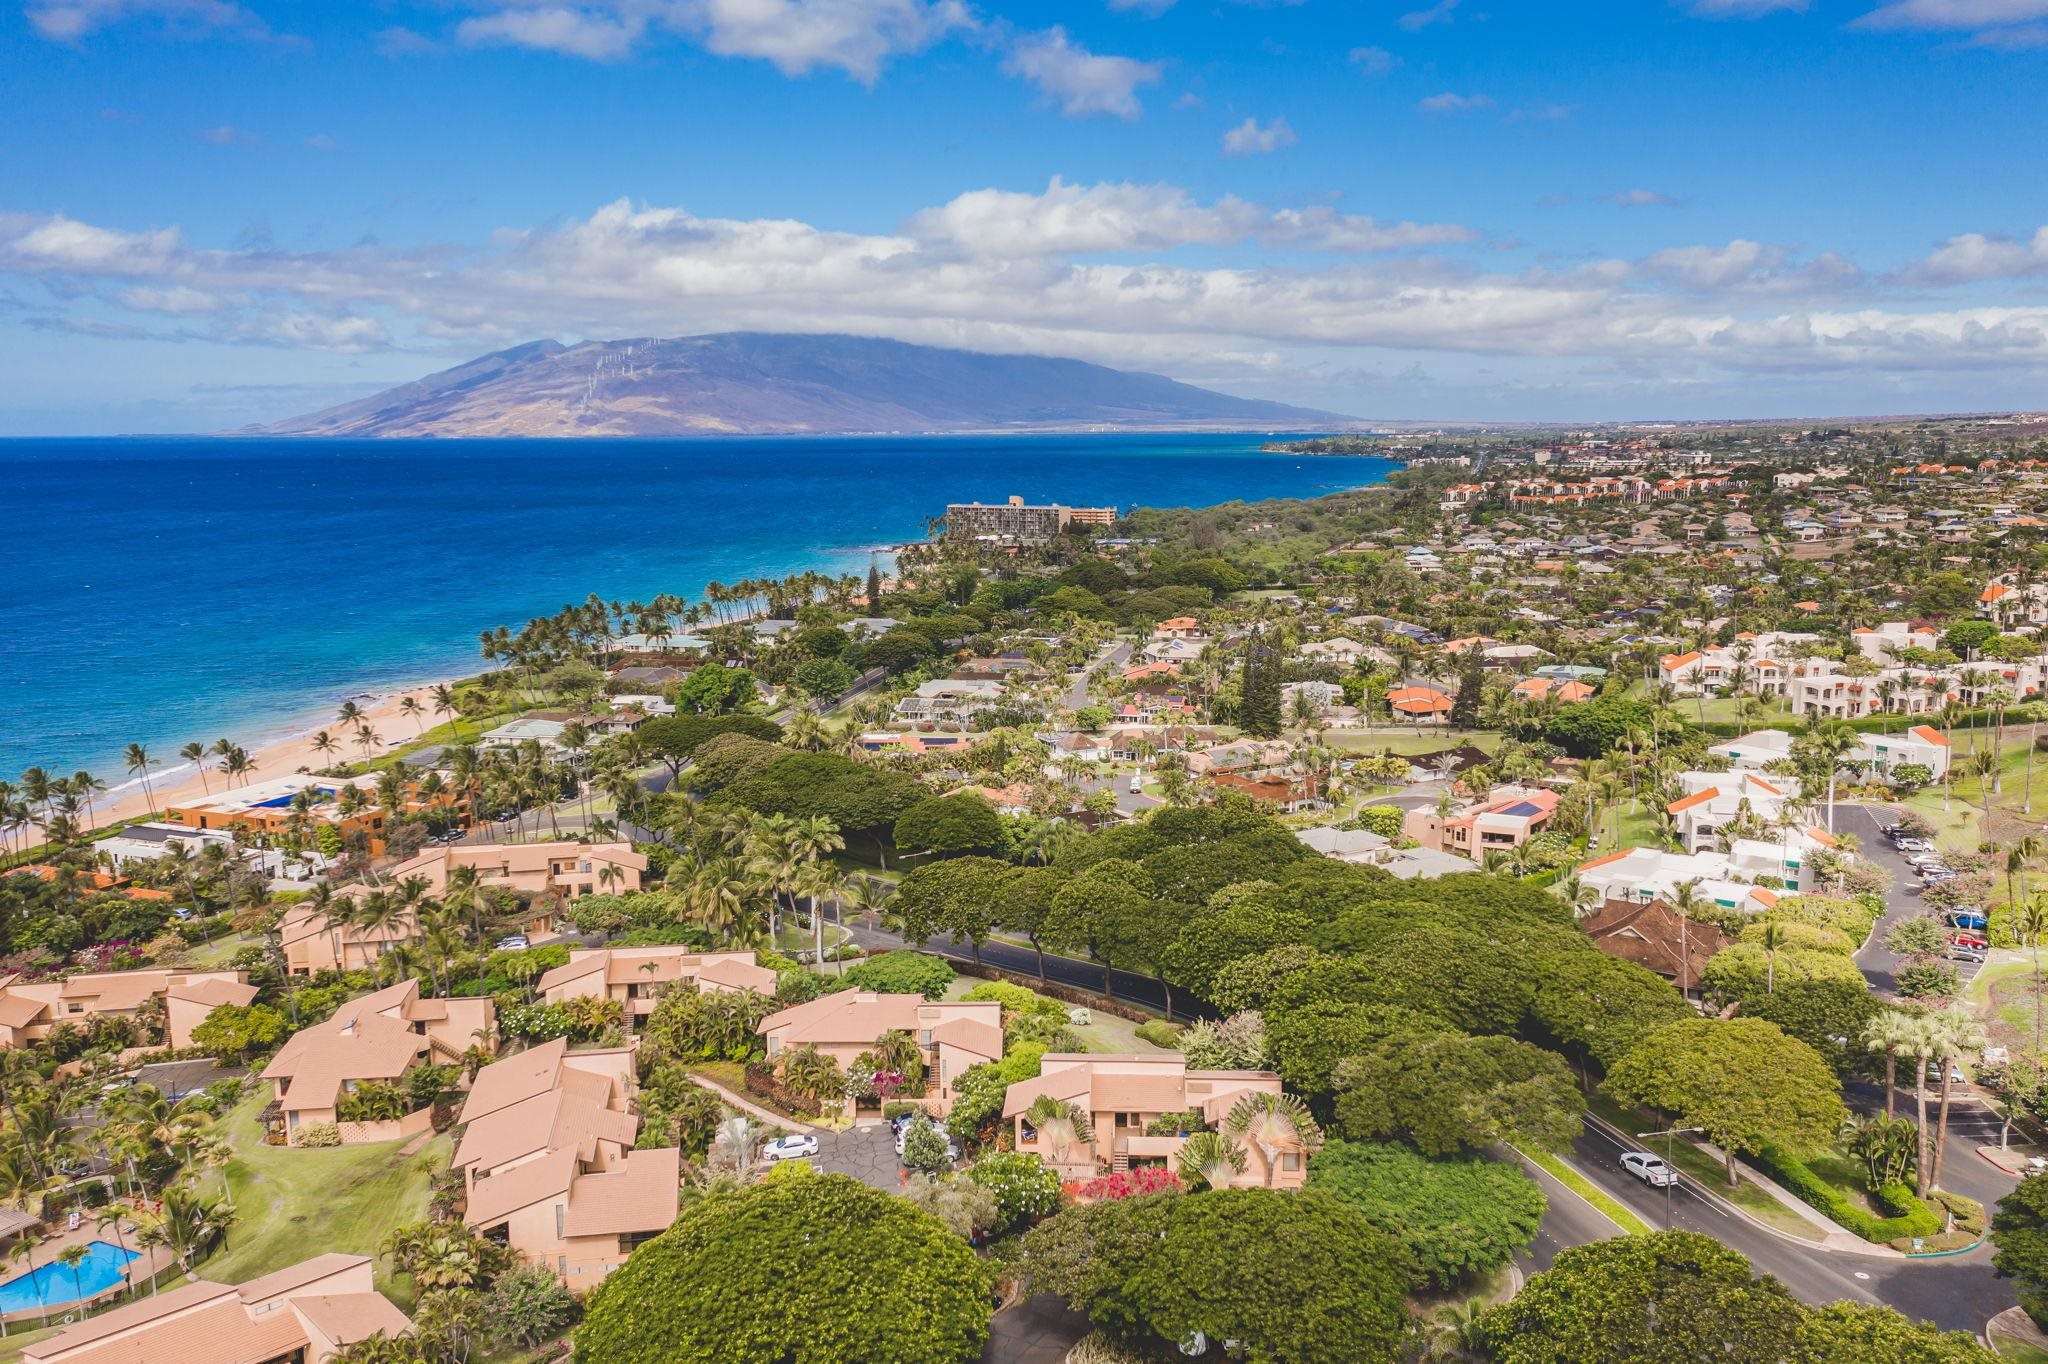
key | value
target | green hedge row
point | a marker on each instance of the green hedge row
(1910, 1217)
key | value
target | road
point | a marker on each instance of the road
(1956, 1293)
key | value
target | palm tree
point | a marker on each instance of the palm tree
(2031, 922)
(1889, 1032)
(196, 755)
(1771, 939)
(1278, 1124)
(71, 1257)
(444, 704)
(138, 760)
(1686, 902)
(1956, 1031)
(1210, 1160)
(410, 706)
(25, 1249)
(324, 745)
(349, 714)
(1061, 1126)
(1922, 1042)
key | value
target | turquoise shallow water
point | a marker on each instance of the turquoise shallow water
(166, 590)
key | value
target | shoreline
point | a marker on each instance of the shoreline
(276, 740)
(180, 781)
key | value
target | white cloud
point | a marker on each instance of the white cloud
(1639, 198)
(1325, 229)
(1082, 82)
(1450, 102)
(1954, 15)
(1151, 9)
(404, 42)
(228, 135)
(1121, 217)
(954, 277)
(1976, 256)
(1250, 139)
(591, 34)
(1374, 61)
(798, 36)
(1416, 20)
(68, 21)
(1084, 220)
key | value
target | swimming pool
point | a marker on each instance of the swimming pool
(52, 1284)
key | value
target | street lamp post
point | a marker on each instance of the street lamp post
(1668, 1134)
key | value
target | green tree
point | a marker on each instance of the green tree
(1024, 1186)
(809, 1269)
(1462, 1217)
(1292, 1278)
(1742, 1080)
(957, 898)
(949, 825)
(714, 690)
(1675, 1297)
(1447, 1092)
(1856, 1333)
(2019, 1230)
(900, 973)
(234, 1030)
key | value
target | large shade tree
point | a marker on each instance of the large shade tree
(806, 1269)
(1743, 1081)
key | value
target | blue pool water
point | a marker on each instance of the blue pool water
(52, 1285)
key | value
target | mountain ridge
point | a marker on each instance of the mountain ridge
(771, 383)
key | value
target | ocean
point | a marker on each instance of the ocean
(165, 590)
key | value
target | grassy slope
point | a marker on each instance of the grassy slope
(296, 1203)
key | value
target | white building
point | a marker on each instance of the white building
(1922, 744)
(1712, 799)
(1755, 749)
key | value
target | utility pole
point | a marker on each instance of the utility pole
(1668, 1134)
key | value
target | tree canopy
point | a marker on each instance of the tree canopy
(812, 1269)
(1460, 1217)
(1743, 1080)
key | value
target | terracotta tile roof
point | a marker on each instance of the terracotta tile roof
(214, 993)
(738, 975)
(971, 1035)
(1928, 735)
(555, 1120)
(522, 1186)
(318, 1061)
(18, 1011)
(516, 1078)
(346, 1318)
(639, 1195)
(1698, 798)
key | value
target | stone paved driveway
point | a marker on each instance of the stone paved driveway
(866, 1153)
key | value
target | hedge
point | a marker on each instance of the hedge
(1910, 1217)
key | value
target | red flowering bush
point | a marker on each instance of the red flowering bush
(1146, 1179)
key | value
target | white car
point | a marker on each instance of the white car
(799, 1146)
(1650, 1169)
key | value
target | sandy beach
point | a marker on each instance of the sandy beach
(180, 782)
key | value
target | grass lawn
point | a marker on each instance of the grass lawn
(1727, 710)
(1709, 1173)
(1638, 828)
(220, 949)
(294, 1203)
(1106, 1034)
(1408, 742)
(2010, 1346)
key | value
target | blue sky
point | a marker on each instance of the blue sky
(222, 211)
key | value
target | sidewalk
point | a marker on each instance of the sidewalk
(752, 1109)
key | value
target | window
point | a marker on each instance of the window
(1290, 1161)
(561, 1218)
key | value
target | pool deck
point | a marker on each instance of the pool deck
(152, 1257)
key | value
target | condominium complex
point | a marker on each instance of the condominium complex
(1013, 520)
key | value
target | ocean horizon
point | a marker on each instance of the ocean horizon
(188, 588)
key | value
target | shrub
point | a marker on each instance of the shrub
(317, 1134)
(1460, 1217)
(1158, 1032)
(899, 973)
(1175, 1124)
(529, 1305)
(1146, 1179)
(1908, 1215)
(1025, 1188)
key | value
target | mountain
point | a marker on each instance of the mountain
(753, 383)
